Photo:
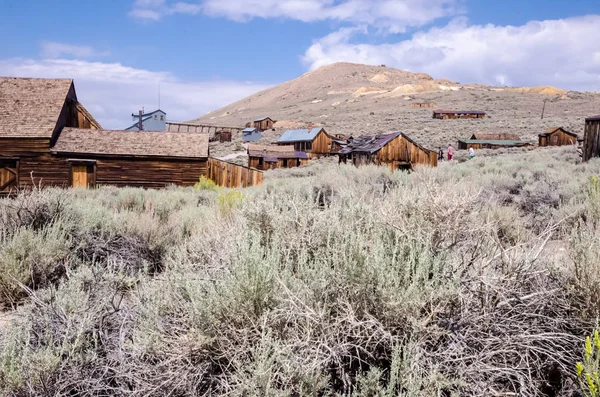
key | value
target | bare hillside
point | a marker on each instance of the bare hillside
(361, 99)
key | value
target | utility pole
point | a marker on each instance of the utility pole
(544, 108)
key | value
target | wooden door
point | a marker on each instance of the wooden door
(9, 176)
(83, 175)
(79, 176)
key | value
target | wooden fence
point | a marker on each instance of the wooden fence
(232, 175)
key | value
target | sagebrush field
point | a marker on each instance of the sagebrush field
(474, 278)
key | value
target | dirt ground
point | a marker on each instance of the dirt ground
(362, 100)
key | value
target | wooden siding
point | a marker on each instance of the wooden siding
(232, 175)
(557, 138)
(264, 124)
(255, 162)
(399, 153)
(322, 145)
(591, 140)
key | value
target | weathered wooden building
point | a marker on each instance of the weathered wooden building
(33, 112)
(557, 137)
(495, 137)
(591, 138)
(269, 157)
(263, 124)
(314, 141)
(458, 114)
(396, 150)
(421, 105)
(131, 158)
(465, 144)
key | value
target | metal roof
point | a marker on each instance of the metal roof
(593, 118)
(303, 135)
(249, 130)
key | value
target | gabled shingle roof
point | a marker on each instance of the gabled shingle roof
(132, 143)
(551, 130)
(29, 108)
(303, 135)
(369, 144)
(263, 119)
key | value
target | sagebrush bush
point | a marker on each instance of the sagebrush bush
(475, 278)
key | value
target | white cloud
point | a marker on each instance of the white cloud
(111, 91)
(557, 52)
(53, 49)
(389, 15)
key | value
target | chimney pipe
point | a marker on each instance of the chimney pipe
(141, 127)
(310, 127)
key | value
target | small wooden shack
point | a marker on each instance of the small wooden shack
(132, 158)
(32, 114)
(420, 105)
(269, 157)
(315, 141)
(495, 137)
(263, 124)
(557, 136)
(396, 150)
(458, 114)
(591, 138)
(465, 144)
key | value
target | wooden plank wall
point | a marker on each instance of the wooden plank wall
(321, 145)
(232, 175)
(149, 173)
(401, 149)
(591, 140)
(563, 139)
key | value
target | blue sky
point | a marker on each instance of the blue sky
(207, 53)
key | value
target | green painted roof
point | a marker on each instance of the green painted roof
(493, 142)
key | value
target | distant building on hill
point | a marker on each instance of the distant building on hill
(153, 121)
(458, 114)
(557, 137)
(263, 124)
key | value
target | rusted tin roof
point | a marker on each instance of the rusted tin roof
(369, 144)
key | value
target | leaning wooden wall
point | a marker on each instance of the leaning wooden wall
(591, 140)
(232, 175)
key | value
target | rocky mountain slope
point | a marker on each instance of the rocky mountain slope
(360, 99)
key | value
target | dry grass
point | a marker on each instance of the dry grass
(326, 280)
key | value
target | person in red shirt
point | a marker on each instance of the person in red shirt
(450, 152)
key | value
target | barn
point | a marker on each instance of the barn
(396, 150)
(315, 141)
(458, 114)
(591, 139)
(131, 158)
(268, 157)
(557, 136)
(32, 114)
(263, 124)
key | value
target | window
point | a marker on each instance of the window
(162, 118)
(555, 138)
(155, 117)
(308, 146)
